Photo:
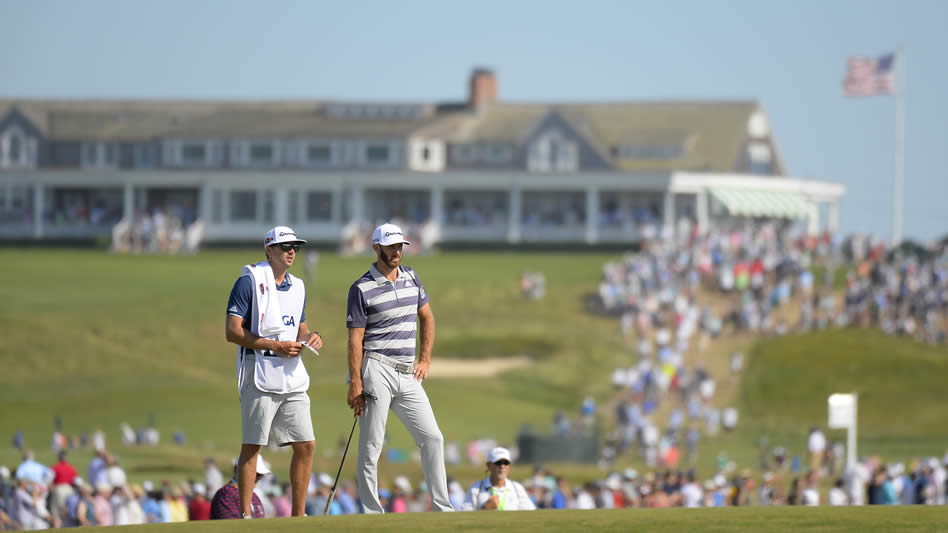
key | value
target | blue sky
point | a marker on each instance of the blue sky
(788, 55)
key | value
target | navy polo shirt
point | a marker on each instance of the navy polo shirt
(240, 302)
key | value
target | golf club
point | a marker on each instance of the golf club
(332, 491)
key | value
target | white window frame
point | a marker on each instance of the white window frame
(760, 158)
(102, 151)
(391, 161)
(138, 155)
(378, 162)
(303, 153)
(553, 152)
(207, 154)
(257, 202)
(28, 149)
(241, 153)
(174, 153)
(304, 212)
(416, 155)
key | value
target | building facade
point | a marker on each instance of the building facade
(481, 170)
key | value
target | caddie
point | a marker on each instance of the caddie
(266, 318)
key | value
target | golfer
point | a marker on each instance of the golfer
(386, 306)
(496, 492)
(266, 318)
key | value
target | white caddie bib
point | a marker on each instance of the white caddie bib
(275, 374)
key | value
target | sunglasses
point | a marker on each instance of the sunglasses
(502, 462)
(288, 247)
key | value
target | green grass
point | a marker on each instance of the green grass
(100, 339)
(728, 519)
(900, 385)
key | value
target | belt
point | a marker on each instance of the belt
(402, 368)
(265, 353)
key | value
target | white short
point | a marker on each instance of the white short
(286, 415)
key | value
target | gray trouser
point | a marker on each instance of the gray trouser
(404, 395)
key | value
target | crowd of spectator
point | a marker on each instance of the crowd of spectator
(902, 291)
(169, 229)
(35, 496)
(754, 270)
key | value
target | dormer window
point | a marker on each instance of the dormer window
(553, 152)
(17, 149)
(14, 148)
(759, 158)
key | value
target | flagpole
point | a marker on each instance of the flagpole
(899, 147)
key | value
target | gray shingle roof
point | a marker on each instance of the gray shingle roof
(711, 133)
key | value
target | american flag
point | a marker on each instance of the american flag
(866, 76)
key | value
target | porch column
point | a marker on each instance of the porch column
(337, 207)
(813, 218)
(357, 207)
(128, 202)
(701, 210)
(592, 214)
(513, 222)
(39, 207)
(834, 216)
(437, 205)
(669, 214)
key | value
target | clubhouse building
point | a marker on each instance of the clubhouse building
(480, 171)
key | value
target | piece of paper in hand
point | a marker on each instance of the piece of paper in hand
(310, 348)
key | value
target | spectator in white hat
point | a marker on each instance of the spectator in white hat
(226, 502)
(497, 492)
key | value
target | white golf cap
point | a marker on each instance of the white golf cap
(325, 480)
(280, 235)
(403, 483)
(498, 453)
(388, 234)
(262, 467)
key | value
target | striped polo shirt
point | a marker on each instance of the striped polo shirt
(388, 311)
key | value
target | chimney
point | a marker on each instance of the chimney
(483, 88)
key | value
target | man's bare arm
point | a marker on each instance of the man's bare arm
(312, 338)
(355, 399)
(426, 331)
(235, 332)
